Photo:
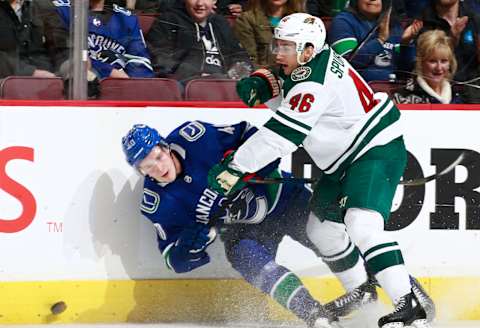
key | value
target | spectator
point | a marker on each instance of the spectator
(463, 25)
(191, 41)
(23, 50)
(372, 46)
(254, 28)
(320, 8)
(435, 65)
(415, 8)
(115, 42)
(230, 7)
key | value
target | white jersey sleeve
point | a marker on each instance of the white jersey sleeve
(290, 124)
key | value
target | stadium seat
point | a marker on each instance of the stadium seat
(386, 86)
(141, 89)
(211, 90)
(327, 20)
(146, 21)
(31, 88)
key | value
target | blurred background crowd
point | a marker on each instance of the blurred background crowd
(419, 51)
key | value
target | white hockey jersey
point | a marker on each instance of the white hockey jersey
(326, 107)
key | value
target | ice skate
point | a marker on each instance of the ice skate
(408, 312)
(349, 302)
(425, 300)
(321, 318)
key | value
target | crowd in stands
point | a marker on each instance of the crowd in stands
(429, 50)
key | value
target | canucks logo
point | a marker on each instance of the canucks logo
(193, 131)
(246, 208)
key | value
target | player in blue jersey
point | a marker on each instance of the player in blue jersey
(115, 42)
(253, 222)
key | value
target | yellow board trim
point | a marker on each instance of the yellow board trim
(188, 300)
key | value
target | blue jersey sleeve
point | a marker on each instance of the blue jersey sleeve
(137, 57)
(244, 130)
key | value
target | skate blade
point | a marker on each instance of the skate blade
(323, 323)
(421, 323)
(394, 325)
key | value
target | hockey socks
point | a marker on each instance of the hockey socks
(257, 266)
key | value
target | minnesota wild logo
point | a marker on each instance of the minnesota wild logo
(301, 73)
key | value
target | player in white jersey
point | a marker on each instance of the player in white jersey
(321, 103)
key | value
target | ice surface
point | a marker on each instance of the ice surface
(462, 324)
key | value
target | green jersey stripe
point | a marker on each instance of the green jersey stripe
(346, 262)
(385, 260)
(373, 249)
(381, 251)
(359, 134)
(294, 121)
(344, 46)
(392, 116)
(285, 131)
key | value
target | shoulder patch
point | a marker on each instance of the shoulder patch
(193, 131)
(301, 73)
(118, 9)
(150, 201)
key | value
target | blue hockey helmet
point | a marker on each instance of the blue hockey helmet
(139, 142)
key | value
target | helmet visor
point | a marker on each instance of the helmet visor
(157, 155)
(283, 47)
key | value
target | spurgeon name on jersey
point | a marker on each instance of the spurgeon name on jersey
(330, 110)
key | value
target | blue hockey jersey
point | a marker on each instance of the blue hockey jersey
(114, 41)
(173, 206)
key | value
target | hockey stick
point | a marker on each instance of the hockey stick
(408, 183)
(369, 35)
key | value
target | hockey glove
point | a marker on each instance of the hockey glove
(226, 180)
(261, 86)
(189, 253)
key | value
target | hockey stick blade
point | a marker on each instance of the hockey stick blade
(408, 183)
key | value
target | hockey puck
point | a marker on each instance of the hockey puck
(58, 307)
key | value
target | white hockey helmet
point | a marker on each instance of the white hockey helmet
(302, 29)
